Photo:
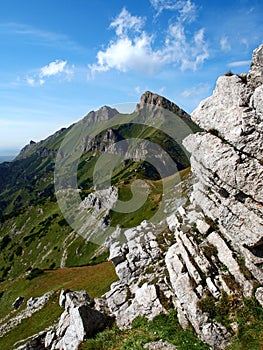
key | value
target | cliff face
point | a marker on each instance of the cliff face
(212, 251)
(151, 99)
(227, 159)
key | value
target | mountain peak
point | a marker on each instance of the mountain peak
(153, 99)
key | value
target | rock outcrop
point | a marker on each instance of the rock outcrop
(138, 266)
(219, 245)
(33, 305)
(78, 321)
(150, 99)
(82, 318)
(215, 245)
(227, 161)
(159, 345)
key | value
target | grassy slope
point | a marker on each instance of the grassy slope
(96, 280)
(249, 336)
(162, 327)
(38, 235)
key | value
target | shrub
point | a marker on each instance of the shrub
(5, 240)
(214, 132)
(243, 77)
(207, 305)
(229, 73)
(52, 266)
(19, 251)
(34, 273)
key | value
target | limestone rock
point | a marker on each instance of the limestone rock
(151, 99)
(78, 321)
(233, 113)
(145, 303)
(31, 308)
(259, 295)
(202, 226)
(227, 161)
(131, 296)
(226, 203)
(159, 345)
(255, 75)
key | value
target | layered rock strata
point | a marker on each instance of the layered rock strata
(216, 239)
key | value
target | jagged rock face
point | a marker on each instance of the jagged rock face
(228, 160)
(234, 113)
(79, 320)
(103, 114)
(151, 99)
(226, 209)
(135, 294)
(255, 74)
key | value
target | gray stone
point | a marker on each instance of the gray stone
(78, 321)
(202, 226)
(159, 345)
(145, 303)
(259, 295)
(255, 75)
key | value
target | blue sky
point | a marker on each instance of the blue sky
(60, 59)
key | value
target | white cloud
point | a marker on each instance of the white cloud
(128, 54)
(244, 41)
(56, 68)
(200, 89)
(161, 90)
(138, 90)
(186, 8)
(34, 82)
(224, 43)
(53, 68)
(30, 81)
(134, 49)
(125, 22)
(188, 12)
(239, 63)
(188, 52)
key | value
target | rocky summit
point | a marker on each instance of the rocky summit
(204, 259)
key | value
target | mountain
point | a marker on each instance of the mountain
(186, 245)
(38, 241)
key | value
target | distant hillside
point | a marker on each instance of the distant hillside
(6, 158)
(33, 230)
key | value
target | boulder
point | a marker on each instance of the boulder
(159, 345)
(78, 321)
(259, 295)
